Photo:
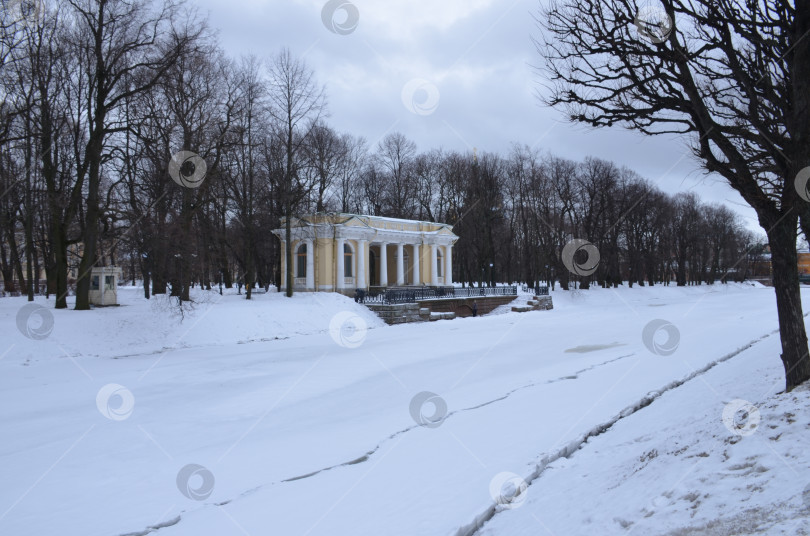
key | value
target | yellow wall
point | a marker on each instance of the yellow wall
(426, 263)
(324, 274)
(324, 253)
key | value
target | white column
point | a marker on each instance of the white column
(339, 259)
(434, 266)
(448, 265)
(400, 266)
(310, 264)
(417, 279)
(361, 264)
(384, 264)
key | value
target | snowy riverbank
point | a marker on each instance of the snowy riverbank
(300, 414)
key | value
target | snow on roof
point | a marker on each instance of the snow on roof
(343, 217)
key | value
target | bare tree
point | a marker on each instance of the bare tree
(201, 91)
(351, 165)
(325, 154)
(373, 188)
(297, 102)
(246, 183)
(123, 48)
(395, 155)
(427, 171)
(733, 74)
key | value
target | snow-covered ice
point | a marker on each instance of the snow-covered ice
(255, 418)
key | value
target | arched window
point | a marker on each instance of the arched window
(347, 260)
(439, 263)
(302, 260)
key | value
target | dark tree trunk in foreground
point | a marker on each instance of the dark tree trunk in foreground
(784, 259)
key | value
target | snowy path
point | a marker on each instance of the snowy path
(307, 437)
(581, 442)
(675, 468)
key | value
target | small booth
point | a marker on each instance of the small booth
(104, 285)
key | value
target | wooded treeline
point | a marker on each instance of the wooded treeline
(100, 95)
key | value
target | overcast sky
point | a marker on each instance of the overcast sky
(456, 74)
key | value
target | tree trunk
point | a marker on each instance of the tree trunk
(249, 271)
(37, 272)
(59, 215)
(681, 274)
(782, 240)
(288, 248)
(176, 279)
(8, 279)
(185, 263)
(60, 262)
(29, 222)
(92, 215)
(145, 275)
(50, 274)
(564, 276)
(17, 262)
(158, 282)
(585, 282)
(158, 262)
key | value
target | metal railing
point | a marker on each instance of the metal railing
(539, 290)
(473, 292)
(412, 295)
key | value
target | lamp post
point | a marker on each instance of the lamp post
(490, 274)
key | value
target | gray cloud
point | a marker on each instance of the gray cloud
(478, 53)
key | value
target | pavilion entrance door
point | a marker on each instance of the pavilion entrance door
(374, 276)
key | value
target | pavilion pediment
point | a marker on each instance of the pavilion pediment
(354, 222)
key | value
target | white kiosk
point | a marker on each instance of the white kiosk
(104, 285)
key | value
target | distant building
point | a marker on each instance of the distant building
(804, 262)
(336, 252)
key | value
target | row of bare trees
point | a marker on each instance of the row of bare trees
(517, 212)
(103, 97)
(641, 234)
(71, 72)
(100, 99)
